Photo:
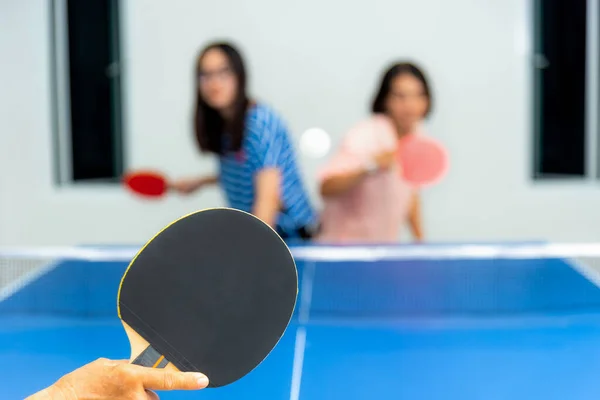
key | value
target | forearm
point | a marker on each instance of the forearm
(50, 393)
(267, 201)
(414, 218)
(266, 210)
(416, 228)
(339, 184)
(209, 179)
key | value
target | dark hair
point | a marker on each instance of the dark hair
(386, 85)
(209, 124)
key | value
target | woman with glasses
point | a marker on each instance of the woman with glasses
(257, 163)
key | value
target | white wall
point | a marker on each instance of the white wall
(318, 63)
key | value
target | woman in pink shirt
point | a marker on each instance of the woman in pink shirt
(365, 199)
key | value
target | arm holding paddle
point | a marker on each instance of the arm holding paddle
(360, 154)
(349, 171)
(116, 380)
(154, 184)
(190, 185)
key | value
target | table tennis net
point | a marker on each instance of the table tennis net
(343, 282)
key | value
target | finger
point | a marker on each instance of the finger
(152, 395)
(162, 379)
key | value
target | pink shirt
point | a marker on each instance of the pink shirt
(376, 208)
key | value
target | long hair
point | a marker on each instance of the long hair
(209, 124)
(390, 74)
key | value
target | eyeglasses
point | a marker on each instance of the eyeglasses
(407, 96)
(219, 74)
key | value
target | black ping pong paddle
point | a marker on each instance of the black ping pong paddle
(213, 292)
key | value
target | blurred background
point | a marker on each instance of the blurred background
(83, 98)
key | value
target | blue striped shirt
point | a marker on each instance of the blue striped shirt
(266, 144)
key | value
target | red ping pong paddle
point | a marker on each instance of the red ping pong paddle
(146, 183)
(423, 161)
(213, 292)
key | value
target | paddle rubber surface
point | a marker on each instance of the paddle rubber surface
(146, 183)
(423, 160)
(213, 293)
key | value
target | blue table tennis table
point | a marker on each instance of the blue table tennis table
(382, 328)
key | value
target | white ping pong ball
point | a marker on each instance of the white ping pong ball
(315, 142)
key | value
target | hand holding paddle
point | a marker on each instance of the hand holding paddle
(117, 380)
(152, 184)
(385, 160)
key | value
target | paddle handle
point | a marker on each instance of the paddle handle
(150, 358)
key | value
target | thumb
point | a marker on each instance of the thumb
(163, 379)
